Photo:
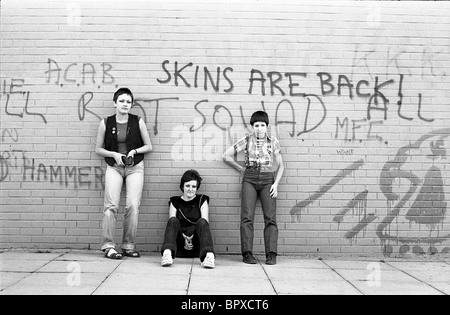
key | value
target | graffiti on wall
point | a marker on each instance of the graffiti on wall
(415, 197)
(16, 100)
(16, 160)
(426, 192)
(300, 104)
(383, 99)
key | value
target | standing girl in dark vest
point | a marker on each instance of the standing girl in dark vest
(122, 140)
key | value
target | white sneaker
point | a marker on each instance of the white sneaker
(209, 261)
(167, 259)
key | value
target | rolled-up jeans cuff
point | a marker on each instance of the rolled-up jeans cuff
(108, 246)
(128, 246)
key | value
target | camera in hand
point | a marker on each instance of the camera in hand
(128, 160)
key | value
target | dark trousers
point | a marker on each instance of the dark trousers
(256, 185)
(174, 240)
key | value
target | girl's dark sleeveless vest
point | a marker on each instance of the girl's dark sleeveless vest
(133, 140)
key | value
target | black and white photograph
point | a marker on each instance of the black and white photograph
(232, 154)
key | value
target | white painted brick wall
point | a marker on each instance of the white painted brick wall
(333, 152)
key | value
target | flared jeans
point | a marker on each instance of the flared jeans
(115, 177)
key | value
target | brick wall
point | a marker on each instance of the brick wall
(357, 92)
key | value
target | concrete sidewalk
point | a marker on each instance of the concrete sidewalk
(88, 272)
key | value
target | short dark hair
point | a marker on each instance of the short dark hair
(190, 176)
(259, 116)
(123, 91)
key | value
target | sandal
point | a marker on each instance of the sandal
(115, 255)
(131, 253)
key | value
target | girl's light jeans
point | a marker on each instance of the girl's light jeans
(115, 176)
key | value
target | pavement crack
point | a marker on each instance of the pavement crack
(190, 277)
(107, 277)
(421, 281)
(34, 271)
(268, 277)
(342, 277)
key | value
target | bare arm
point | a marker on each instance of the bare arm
(172, 211)
(205, 211)
(280, 172)
(281, 169)
(228, 157)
